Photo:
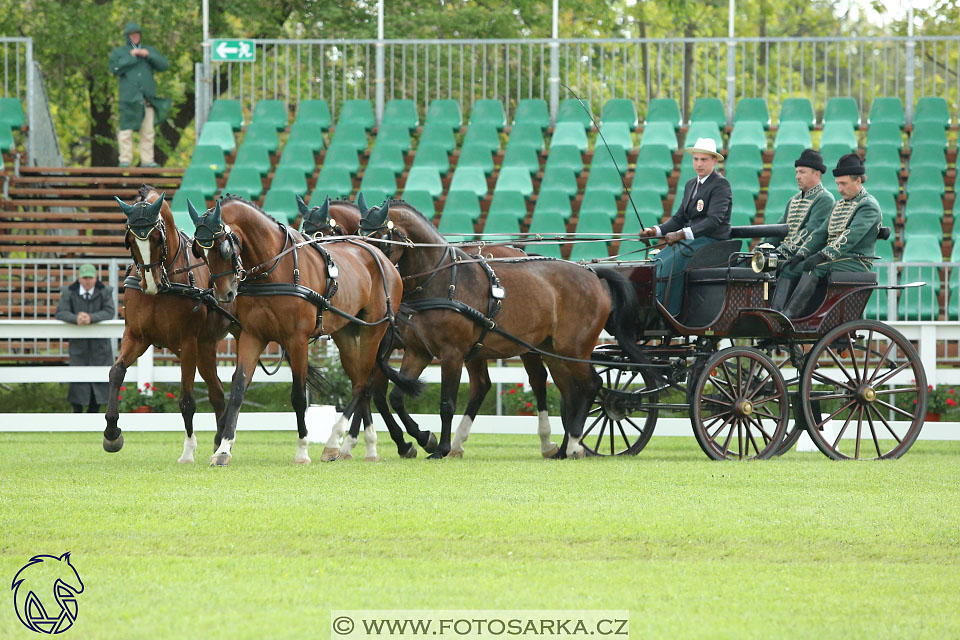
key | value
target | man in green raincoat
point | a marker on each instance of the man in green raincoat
(140, 108)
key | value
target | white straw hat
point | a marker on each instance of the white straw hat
(705, 145)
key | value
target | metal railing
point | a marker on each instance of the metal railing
(597, 69)
(18, 80)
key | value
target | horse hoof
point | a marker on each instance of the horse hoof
(183, 460)
(455, 454)
(410, 454)
(329, 454)
(220, 460)
(552, 453)
(304, 460)
(112, 446)
(579, 455)
(372, 459)
(436, 455)
(558, 455)
(346, 456)
(431, 445)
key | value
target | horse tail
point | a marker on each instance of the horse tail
(624, 318)
(409, 386)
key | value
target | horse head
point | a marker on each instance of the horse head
(318, 220)
(217, 244)
(146, 240)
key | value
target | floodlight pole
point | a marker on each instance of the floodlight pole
(911, 65)
(555, 63)
(731, 63)
(379, 80)
(202, 87)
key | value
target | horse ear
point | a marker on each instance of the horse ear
(217, 213)
(156, 206)
(361, 202)
(192, 210)
(65, 556)
(304, 209)
(126, 208)
(325, 207)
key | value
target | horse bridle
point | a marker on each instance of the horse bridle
(142, 232)
(392, 237)
(229, 248)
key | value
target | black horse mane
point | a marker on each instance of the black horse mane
(145, 190)
(231, 197)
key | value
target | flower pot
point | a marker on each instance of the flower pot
(142, 409)
(526, 412)
(932, 417)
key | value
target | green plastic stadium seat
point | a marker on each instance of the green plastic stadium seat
(928, 158)
(223, 110)
(511, 203)
(651, 180)
(616, 134)
(623, 110)
(659, 134)
(388, 157)
(953, 287)
(357, 112)
(882, 156)
(254, 156)
(315, 112)
(548, 224)
(439, 134)
(262, 133)
(605, 179)
(552, 203)
(272, 113)
(920, 226)
(662, 110)
(433, 156)
(743, 157)
(839, 133)
(571, 110)
(425, 179)
(744, 207)
(926, 181)
(394, 134)
(686, 171)
(218, 134)
(298, 157)
(887, 133)
(632, 247)
(456, 227)
(591, 224)
(785, 156)
(181, 217)
(843, 109)
(351, 134)
(752, 110)
(306, 134)
(525, 157)
(777, 199)
(744, 180)
(488, 113)
(462, 203)
(886, 110)
(246, 182)
(649, 211)
(281, 204)
(876, 308)
(501, 227)
(209, 156)
(289, 179)
(797, 110)
(526, 134)
(444, 113)
(380, 179)
(888, 214)
(709, 110)
(200, 179)
(920, 303)
(928, 134)
(476, 155)
(472, 179)
(599, 202)
(482, 134)
(334, 182)
(6, 140)
(570, 133)
(654, 157)
(782, 177)
(532, 111)
(402, 113)
(702, 129)
(749, 132)
(421, 201)
(932, 110)
(559, 180)
(831, 155)
(513, 180)
(565, 155)
(614, 156)
(342, 156)
(793, 133)
(881, 191)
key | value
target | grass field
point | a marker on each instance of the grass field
(795, 547)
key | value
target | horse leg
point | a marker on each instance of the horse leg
(369, 432)
(586, 383)
(450, 369)
(379, 394)
(358, 358)
(537, 374)
(412, 366)
(479, 388)
(297, 356)
(188, 403)
(207, 366)
(249, 348)
(131, 348)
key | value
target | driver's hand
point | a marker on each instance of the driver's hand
(674, 237)
(649, 232)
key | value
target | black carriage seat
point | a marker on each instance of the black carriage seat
(707, 277)
(858, 278)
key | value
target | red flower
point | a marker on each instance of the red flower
(146, 385)
(529, 404)
(512, 391)
(950, 392)
(951, 402)
(930, 387)
(170, 395)
(519, 385)
(123, 388)
(119, 397)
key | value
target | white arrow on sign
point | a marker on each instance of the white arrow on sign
(223, 50)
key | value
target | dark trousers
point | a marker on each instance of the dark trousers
(93, 407)
(672, 261)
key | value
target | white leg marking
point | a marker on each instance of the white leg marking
(543, 430)
(463, 432)
(370, 440)
(144, 248)
(574, 450)
(224, 448)
(336, 432)
(346, 449)
(302, 456)
(189, 446)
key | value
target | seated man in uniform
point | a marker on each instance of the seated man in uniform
(702, 218)
(845, 241)
(804, 212)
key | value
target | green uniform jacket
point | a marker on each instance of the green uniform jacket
(136, 82)
(848, 236)
(804, 213)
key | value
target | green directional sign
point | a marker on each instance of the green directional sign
(233, 51)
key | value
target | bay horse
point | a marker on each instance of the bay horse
(160, 308)
(342, 217)
(297, 291)
(459, 307)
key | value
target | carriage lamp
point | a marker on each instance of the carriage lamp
(765, 258)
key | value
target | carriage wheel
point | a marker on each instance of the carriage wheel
(867, 380)
(740, 405)
(792, 433)
(616, 425)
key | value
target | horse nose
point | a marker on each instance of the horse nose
(230, 296)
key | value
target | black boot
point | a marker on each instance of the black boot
(801, 295)
(781, 293)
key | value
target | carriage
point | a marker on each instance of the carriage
(750, 378)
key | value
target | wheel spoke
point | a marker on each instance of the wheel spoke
(853, 358)
(830, 417)
(824, 379)
(859, 430)
(866, 354)
(897, 390)
(890, 374)
(592, 425)
(751, 438)
(629, 382)
(760, 386)
(717, 384)
(873, 432)
(763, 401)
(613, 441)
(766, 436)
(726, 374)
(842, 430)
(594, 410)
(720, 428)
(840, 365)
(895, 408)
(634, 424)
(886, 424)
(834, 396)
(740, 439)
(766, 414)
(623, 434)
(883, 360)
(745, 387)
